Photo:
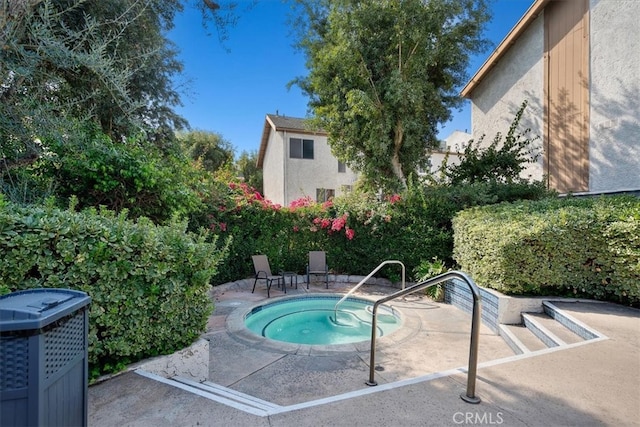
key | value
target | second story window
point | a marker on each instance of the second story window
(342, 168)
(300, 148)
(324, 194)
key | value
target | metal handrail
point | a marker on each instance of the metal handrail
(355, 288)
(470, 396)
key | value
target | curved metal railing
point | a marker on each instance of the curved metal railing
(470, 396)
(362, 282)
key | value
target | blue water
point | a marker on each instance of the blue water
(311, 320)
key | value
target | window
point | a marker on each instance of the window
(324, 194)
(300, 148)
(342, 168)
(422, 170)
(346, 188)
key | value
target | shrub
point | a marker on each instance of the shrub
(132, 175)
(500, 161)
(357, 231)
(578, 247)
(148, 284)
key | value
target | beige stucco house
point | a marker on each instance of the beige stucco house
(297, 162)
(577, 63)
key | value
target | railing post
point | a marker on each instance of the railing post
(469, 396)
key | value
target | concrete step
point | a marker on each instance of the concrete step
(551, 328)
(581, 329)
(562, 334)
(520, 339)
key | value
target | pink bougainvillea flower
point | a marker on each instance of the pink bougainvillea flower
(301, 202)
(394, 198)
(316, 221)
(339, 223)
(325, 223)
(223, 226)
(295, 229)
(350, 233)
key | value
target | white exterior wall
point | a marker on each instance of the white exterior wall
(273, 172)
(437, 157)
(614, 146)
(304, 176)
(518, 76)
(287, 179)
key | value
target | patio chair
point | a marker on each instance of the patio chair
(263, 271)
(318, 266)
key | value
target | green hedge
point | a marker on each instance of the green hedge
(587, 247)
(357, 231)
(148, 284)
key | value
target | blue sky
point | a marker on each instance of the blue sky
(230, 88)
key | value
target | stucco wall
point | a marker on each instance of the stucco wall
(518, 76)
(614, 147)
(273, 169)
(304, 176)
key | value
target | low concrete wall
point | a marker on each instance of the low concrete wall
(497, 308)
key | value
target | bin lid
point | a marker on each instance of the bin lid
(37, 308)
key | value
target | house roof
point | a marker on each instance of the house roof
(279, 123)
(529, 16)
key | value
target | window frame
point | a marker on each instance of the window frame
(301, 148)
(324, 194)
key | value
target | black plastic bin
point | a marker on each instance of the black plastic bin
(43, 358)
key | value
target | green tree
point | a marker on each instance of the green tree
(384, 74)
(208, 148)
(106, 61)
(65, 62)
(247, 165)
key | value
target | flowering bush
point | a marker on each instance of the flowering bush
(357, 231)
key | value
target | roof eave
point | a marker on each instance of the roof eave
(268, 124)
(530, 15)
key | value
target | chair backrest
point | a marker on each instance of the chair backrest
(261, 263)
(317, 260)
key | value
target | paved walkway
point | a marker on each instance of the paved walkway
(420, 373)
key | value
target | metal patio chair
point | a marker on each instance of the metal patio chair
(317, 266)
(263, 272)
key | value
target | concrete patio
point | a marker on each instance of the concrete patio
(420, 374)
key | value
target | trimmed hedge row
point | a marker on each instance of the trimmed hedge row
(148, 284)
(587, 247)
(358, 232)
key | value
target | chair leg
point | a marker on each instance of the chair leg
(268, 287)
(326, 279)
(254, 285)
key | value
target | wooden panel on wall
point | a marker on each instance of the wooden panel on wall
(566, 26)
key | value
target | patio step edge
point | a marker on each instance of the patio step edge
(541, 332)
(565, 319)
(227, 393)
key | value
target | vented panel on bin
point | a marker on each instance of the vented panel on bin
(43, 357)
(14, 370)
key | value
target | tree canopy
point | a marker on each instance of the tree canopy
(210, 149)
(107, 61)
(383, 75)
